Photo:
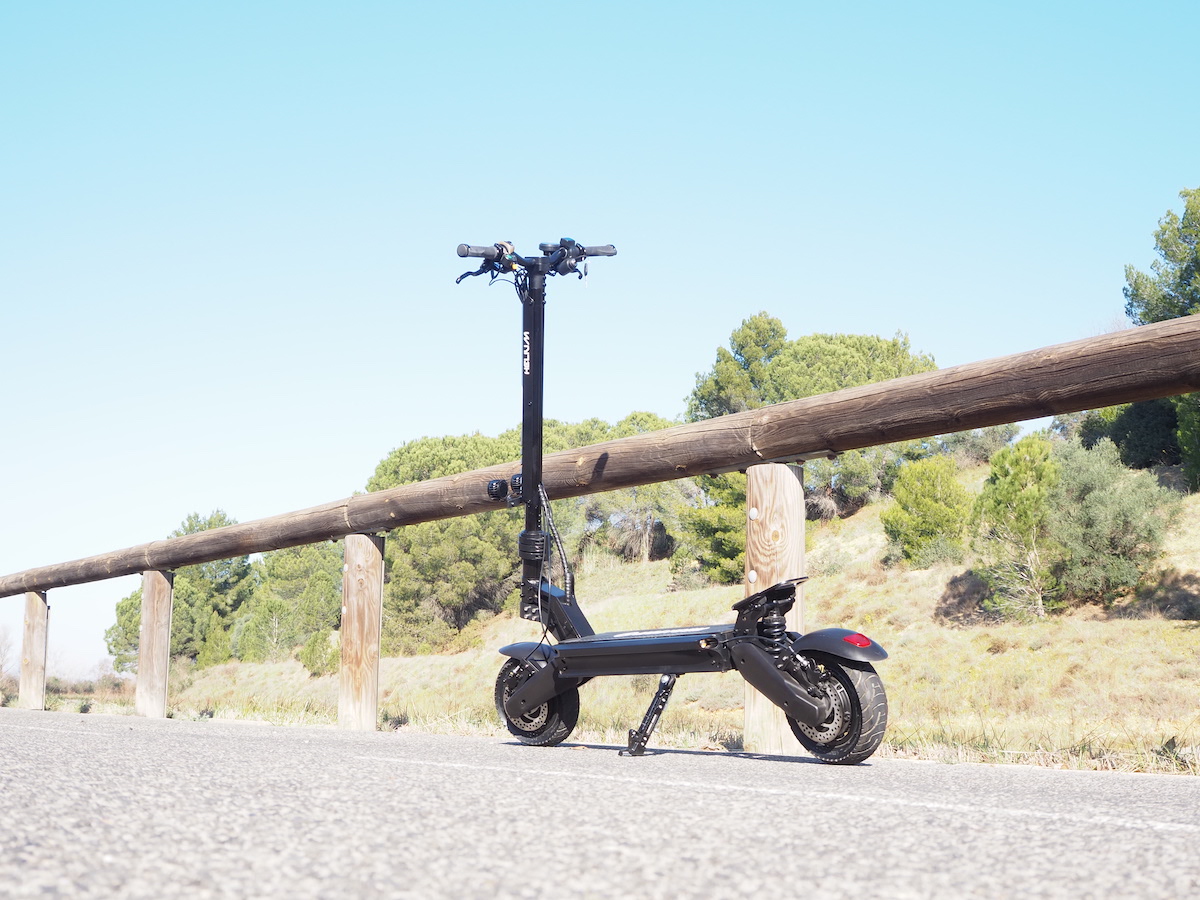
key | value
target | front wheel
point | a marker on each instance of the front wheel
(547, 725)
(855, 726)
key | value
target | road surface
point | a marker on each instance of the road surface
(110, 806)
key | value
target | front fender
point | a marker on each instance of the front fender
(840, 642)
(539, 654)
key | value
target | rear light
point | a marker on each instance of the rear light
(858, 640)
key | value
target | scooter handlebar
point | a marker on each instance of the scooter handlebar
(489, 253)
(606, 250)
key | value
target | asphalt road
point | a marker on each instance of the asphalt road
(107, 806)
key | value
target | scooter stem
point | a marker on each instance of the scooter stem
(532, 389)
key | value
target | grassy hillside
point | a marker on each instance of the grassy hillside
(1095, 688)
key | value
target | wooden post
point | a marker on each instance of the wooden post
(362, 627)
(33, 651)
(774, 553)
(154, 644)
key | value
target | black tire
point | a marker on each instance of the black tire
(549, 724)
(855, 727)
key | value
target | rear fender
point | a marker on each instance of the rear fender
(840, 642)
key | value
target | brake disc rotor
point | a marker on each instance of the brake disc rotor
(829, 730)
(531, 721)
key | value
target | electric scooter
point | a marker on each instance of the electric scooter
(823, 680)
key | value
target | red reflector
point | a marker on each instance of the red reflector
(858, 640)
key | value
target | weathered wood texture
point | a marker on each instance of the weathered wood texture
(362, 627)
(154, 645)
(1138, 364)
(32, 692)
(774, 553)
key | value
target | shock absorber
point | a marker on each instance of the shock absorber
(772, 628)
(531, 546)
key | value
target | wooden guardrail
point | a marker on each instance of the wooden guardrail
(1137, 364)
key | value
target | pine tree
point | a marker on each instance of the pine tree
(1011, 513)
(1172, 291)
(930, 512)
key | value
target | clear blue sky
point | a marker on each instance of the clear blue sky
(227, 230)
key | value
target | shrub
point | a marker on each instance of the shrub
(1144, 432)
(930, 513)
(1013, 541)
(978, 446)
(1107, 522)
(320, 653)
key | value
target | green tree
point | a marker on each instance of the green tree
(822, 363)
(216, 647)
(930, 512)
(1012, 512)
(1145, 432)
(1172, 290)
(714, 533)
(221, 587)
(638, 523)
(441, 575)
(1108, 524)
(309, 579)
(977, 446)
(320, 653)
(738, 379)
(760, 367)
(121, 638)
(268, 632)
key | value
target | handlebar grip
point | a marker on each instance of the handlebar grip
(606, 250)
(484, 252)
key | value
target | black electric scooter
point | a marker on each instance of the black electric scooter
(823, 681)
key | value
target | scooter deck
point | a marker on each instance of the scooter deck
(662, 651)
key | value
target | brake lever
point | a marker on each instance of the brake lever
(482, 270)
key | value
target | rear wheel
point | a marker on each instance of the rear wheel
(549, 724)
(854, 728)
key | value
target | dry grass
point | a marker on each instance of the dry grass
(1094, 689)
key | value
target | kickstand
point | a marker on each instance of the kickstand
(638, 739)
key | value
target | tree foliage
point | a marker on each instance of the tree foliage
(441, 575)
(762, 366)
(1145, 433)
(234, 608)
(1172, 290)
(1063, 524)
(978, 445)
(222, 586)
(930, 512)
(1108, 523)
(298, 593)
(205, 597)
(320, 653)
(1011, 513)
(714, 532)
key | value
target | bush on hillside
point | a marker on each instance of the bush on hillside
(930, 512)
(320, 653)
(1108, 523)
(1014, 544)
(1064, 525)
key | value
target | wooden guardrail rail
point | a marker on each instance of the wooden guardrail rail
(1137, 364)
